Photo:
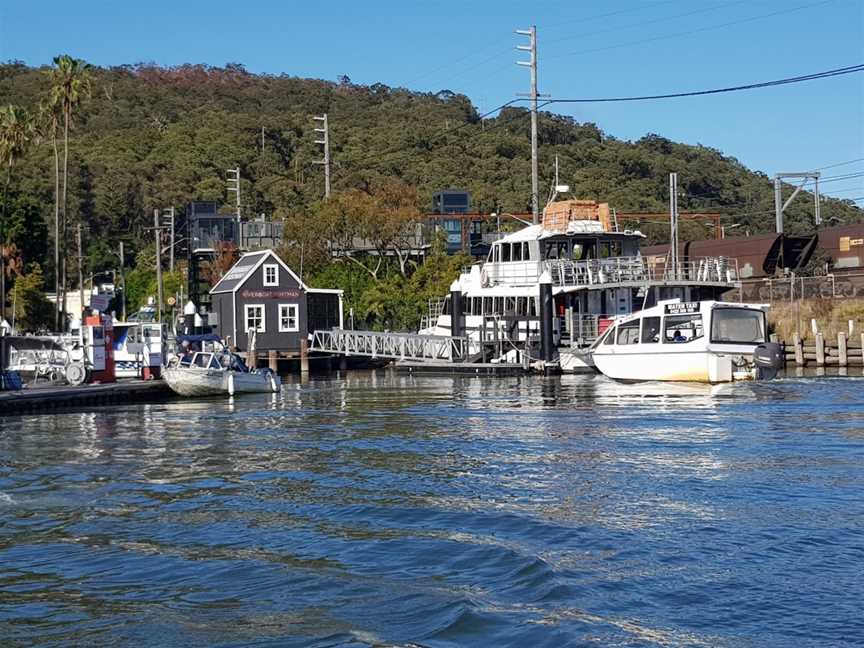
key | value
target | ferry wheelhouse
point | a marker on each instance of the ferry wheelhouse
(597, 274)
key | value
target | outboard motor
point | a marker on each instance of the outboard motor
(768, 358)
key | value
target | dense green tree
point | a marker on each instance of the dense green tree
(31, 311)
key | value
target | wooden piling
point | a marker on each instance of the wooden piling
(841, 348)
(273, 361)
(304, 356)
(820, 350)
(799, 351)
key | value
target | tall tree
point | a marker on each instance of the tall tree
(49, 124)
(16, 131)
(71, 85)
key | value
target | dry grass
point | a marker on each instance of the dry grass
(831, 315)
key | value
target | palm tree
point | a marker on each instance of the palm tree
(71, 84)
(49, 122)
(16, 131)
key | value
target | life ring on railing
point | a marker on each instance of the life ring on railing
(484, 278)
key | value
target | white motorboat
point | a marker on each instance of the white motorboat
(209, 373)
(705, 341)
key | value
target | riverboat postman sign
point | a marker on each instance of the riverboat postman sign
(682, 308)
(281, 293)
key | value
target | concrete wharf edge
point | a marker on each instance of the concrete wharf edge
(44, 400)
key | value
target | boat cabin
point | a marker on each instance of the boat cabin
(260, 298)
(681, 323)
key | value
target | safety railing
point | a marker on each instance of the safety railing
(398, 346)
(598, 272)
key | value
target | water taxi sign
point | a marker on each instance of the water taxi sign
(682, 308)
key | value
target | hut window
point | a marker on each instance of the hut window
(288, 320)
(271, 274)
(254, 318)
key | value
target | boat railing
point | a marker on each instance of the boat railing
(598, 272)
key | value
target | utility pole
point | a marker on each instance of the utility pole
(169, 214)
(532, 63)
(123, 281)
(157, 229)
(780, 206)
(325, 141)
(80, 279)
(233, 180)
(673, 223)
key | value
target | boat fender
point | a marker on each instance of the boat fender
(231, 384)
(274, 383)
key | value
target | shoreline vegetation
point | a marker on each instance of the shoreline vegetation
(832, 316)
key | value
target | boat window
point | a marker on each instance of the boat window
(650, 330)
(738, 325)
(628, 333)
(498, 307)
(532, 306)
(505, 252)
(478, 306)
(510, 305)
(487, 305)
(445, 309)
(202, 360)
(522, 306)
(517, 252)
(526, 252)
(682, 328)
(551, 251)
(608, 336)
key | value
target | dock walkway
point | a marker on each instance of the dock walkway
(48, 399)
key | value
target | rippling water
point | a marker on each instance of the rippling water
(391, 510)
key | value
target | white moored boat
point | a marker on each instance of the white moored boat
(704, 341)
(209, 373)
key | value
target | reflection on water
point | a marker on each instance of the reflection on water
(383, 509)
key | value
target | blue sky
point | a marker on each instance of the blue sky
(591, 48)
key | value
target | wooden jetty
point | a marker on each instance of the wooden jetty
(820, 352)
(43, 400)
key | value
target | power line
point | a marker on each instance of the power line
(766, 84)
(649, 22)
(697, 30)
(831, 166)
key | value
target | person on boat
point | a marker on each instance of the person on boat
(677, 337)
(185, 353)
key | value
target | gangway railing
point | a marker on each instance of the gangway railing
(395, 346)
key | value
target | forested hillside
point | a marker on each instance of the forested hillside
(150, 137)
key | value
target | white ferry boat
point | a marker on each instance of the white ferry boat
(707, 341)
(597, 274)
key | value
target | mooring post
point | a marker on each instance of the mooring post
(820, 350)
(547, 313)
(842, 348)
(456, 322)
(304, 356)
(273, 361)
(799, 350)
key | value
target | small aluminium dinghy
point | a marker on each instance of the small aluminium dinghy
(209, 373)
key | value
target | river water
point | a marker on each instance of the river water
(382, 509)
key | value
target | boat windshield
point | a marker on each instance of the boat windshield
(738, 326)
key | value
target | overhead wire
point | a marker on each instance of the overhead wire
(696, 30)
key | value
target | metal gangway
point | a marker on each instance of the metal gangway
(395, 346)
